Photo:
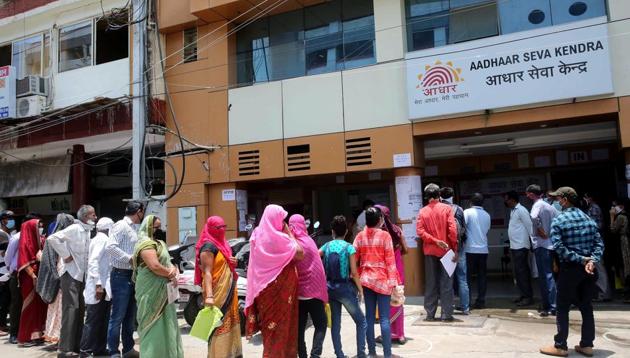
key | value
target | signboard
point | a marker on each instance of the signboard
(562, 65)
(408, 196)
(7, 92)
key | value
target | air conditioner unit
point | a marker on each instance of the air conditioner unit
(31, 85)
(30, 106)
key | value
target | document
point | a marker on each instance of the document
(447, 262)
(172, 292)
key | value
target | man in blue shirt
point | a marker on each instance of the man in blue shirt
(477, 227)
(578, 245)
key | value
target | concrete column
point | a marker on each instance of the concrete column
(80, 177)
(414, 260)
(390, 30)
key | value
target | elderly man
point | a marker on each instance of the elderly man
(97, 293)
(72, 245)
(579, 246)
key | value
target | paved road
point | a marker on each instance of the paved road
(485, 334)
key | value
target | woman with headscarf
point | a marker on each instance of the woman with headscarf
(312, 290)
(33, 315)
(48, 282)
(157, 318)
(271, 305)
(215, 273)
(396, 314)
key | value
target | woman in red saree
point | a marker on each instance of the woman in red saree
(33, 317)
(272, 281)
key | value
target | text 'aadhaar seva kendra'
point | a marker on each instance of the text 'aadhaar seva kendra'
(542, 54)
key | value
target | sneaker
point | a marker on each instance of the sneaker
(585, 351)
(13, 340)
(554, 351)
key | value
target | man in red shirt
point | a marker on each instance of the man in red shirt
(436, 228)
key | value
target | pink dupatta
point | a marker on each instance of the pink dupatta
(312, 277)
(271, 251)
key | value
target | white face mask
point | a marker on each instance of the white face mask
(41, 231)
(91, 222)
(449, 200)
(617, 209)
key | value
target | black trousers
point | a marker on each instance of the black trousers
(315, 308)
(522, 273)
(16, 305)
(477, 264)
(575, 286)
(5, 303)
(73, 308)
(94, 338)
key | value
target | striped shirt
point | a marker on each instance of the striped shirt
(122, 240)
(377, 265)
(575, 236)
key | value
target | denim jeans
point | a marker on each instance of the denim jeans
(545, 279)
(575, 286)
(123, 312)
(372, 299)
(346, 294)
(462, 282)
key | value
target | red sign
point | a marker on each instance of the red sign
(4, 71)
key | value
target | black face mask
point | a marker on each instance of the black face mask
(159, 234)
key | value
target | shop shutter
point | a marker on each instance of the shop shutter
(359, 151)
(249, 162)
(298, 157)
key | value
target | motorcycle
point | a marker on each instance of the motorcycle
(190, 298)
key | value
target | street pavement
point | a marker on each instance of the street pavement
(498, 332)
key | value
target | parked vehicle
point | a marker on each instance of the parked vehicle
(190, 297)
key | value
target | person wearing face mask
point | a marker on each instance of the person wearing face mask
(153, 272)
(619, 227)
(7, 224)
(122, 240)
(72, 244)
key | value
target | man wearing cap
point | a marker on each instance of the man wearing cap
(97, 293)
(122, 240)
(542, 214)
(579, 247)
(72, 244)
(7, 226)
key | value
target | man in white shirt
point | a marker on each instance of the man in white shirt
(542, 215)
(122, 240)
(97, 293)
(520, 232)
(476, 248)
(72, 244)
(360, 223)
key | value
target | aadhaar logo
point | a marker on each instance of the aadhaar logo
(439, 78)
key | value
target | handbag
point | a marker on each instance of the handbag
(398, 296)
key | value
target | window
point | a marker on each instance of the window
(31, 56)
(190, 45)
(112, 43)
(5, 55)
(433, 23)
(332, 36)
(75, 46)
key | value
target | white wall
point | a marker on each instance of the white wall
(109, 80)
(389, 26)
(255, 113)
(312, 105)
(618, 9)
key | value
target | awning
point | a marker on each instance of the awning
(48, 176)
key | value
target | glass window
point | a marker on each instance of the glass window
(112, 42)
(563, 11)
(27, 56)
(190, 45)
(524, 15)
(5, 55)
(473, 23)
(75, 46)
(46, 59)
(328, 37)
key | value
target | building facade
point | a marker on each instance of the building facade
(65, 106)
(319, 105)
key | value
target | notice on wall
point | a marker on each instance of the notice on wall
(402, 160)
(228, 195)
(511, 73)
(408, 196)
(7, 92)
(241, 207)
(409, 232)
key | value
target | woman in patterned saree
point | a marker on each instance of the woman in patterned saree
(271, 305)
(157, 318)
(215, 273)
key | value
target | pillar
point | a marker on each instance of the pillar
(390, 25)
(80, 177)
(414, 260)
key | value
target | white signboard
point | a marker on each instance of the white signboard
(562, 65)
(408, 196)
(7, 92)
(402, 160)
(228, 194)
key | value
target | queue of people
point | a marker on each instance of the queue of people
(86, 294)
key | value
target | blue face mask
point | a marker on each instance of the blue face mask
(10, 224)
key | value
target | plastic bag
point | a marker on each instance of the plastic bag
(207, 320)
(328, 316)
(398, 296)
